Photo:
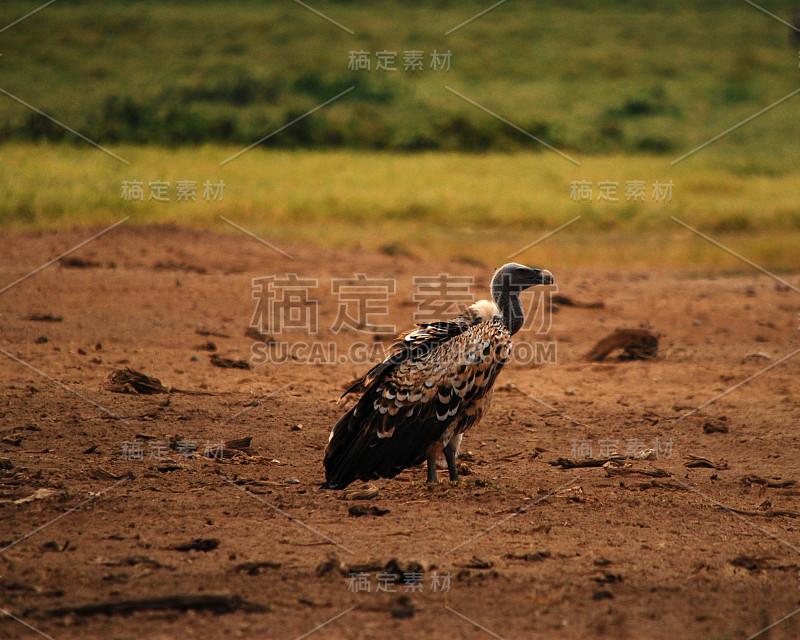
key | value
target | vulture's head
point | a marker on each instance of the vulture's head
(508, 282)
(515, 278)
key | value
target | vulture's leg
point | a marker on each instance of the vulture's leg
(432, 478)
(450, 456)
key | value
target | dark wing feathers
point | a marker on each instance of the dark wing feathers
(436, 380)
(413, 344)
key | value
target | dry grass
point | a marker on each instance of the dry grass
(474, 207)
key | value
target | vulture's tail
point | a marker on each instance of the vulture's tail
(341, 453)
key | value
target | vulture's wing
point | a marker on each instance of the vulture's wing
(414, 396)
(415, 344)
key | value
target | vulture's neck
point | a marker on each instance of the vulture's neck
(507, 299)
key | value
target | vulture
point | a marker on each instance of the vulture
(434, 385)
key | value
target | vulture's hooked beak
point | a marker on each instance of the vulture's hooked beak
(535, 277)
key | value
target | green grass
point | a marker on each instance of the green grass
(478, 208)
(602, 77)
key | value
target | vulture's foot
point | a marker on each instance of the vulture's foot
(450, 456)
(432, 477)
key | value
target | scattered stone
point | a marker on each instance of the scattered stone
(216, 602)
(199, 544)
(44, 317)
(255, 334)
(752, 479)
(477, 563)
(607, 578)
(229, 363)
(403, 608)
(358, 510)
(74, 262)
(206, 332)
(166, 468)
(694, 462)
(636, 344)
(566, 301)
(536, 556)
(710, 427)
(134, 382)
(132, 561)
(751, 563)
(254, 568)
(331, 564)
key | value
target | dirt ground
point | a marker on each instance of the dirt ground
(522, 548)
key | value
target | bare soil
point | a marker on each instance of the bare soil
(247, 546)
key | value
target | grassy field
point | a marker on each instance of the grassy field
(177, 88)
(602, 77)
(472, 207)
